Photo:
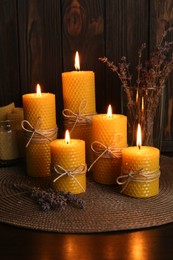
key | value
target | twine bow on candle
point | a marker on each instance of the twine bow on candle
(37, 135)
(80, 117)
(80, 169)
(137, 176)
(104, 151)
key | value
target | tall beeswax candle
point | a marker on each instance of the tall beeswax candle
(109, 133)
(68, 158)
(79, 98)
(140, 168)
(39, 111)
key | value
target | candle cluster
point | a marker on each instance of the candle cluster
(95, 141)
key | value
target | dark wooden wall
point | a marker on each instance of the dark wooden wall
(38, 40)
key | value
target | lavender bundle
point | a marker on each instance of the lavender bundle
(151, 77)
(48, 199)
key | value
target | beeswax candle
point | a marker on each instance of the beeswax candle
(69, 157)
(77, 86)
(39, 111)
(40, 107)
(79, 97)
(110, 130)
(140, 168)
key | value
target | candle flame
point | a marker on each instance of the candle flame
(67, 137)
(38, 90)
(77, 62)
(139, 137)
(109, 112)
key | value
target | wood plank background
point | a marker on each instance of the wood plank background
(39, 38)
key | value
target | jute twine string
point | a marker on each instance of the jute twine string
(61, 171)
(101, 150)
(38, 136)
(77, 118)
(138, 176)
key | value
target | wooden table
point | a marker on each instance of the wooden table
(21, 244)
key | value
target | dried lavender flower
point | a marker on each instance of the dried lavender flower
(51, 200)
(151, 77)
(153, 72)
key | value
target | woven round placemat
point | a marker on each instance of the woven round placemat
(105, 210)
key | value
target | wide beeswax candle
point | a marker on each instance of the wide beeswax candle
(40, 112)
(110, 133)
(68, 165)
(140, 168)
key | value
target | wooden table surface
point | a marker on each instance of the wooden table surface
(153, 243)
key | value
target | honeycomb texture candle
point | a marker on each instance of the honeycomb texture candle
(79, 92)
(42, 107)
(111, 132)
(40, 112)
(145, 159)
(69, 156)
(78, 86)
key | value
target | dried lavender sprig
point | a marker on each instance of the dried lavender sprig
(51, 199)
(48, 199)
(72, 199)
(154, 72)
(122, 70)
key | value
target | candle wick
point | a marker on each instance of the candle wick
(139, 147)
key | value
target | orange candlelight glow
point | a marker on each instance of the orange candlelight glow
(139, 138)
(67, 137)
(137, 96)
(142, 104)
(38, 90)
(77, 62)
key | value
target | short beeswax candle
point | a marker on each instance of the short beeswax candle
(68, 162)
(140, 170)
(39, 111)
(109, 133)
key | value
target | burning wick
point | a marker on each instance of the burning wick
(139, 139)
(77, 62)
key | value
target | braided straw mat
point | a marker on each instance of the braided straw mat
(105, 210)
